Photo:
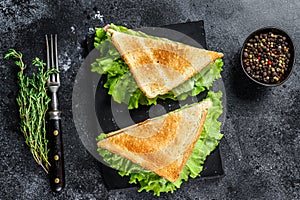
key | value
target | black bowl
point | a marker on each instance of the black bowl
(291, 51)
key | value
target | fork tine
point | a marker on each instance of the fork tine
(52, 57)
(48, 56)
(56, 59)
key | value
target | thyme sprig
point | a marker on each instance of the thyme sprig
(33, 105)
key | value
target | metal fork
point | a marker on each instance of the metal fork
(56, 172)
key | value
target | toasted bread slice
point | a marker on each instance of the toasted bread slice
(163, 144)
(158, 66)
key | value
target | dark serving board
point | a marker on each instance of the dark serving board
(111, 116)
(213, 165)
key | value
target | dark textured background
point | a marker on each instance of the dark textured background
(262, 131)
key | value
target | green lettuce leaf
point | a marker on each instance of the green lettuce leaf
(122, 85)
(149, 181)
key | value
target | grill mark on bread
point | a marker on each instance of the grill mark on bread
(162, 138)
(163, 64)
(172, 171)
(171, 60)
(151, 58)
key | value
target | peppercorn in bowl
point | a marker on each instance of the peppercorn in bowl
(268, 56)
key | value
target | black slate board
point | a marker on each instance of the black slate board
(213, 167)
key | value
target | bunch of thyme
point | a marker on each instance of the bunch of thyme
(33, 105)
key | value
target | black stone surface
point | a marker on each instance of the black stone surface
(262, 130)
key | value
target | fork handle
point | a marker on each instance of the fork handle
(56, 172)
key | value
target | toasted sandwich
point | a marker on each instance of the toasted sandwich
(159, 66)
(163, 144)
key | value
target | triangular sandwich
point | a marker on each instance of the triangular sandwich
(159, 65)
(163, 144)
